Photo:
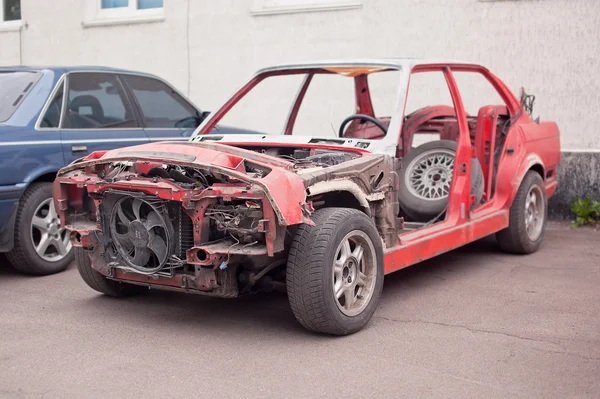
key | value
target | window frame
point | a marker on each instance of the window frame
(497, 90)
(128, 101)
(8, 26)
(60, 83)
(263, 7)
(138, 107)
(95, 15)
(512, 103)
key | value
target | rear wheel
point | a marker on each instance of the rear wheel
(42, 246)
(528, 217)
(100, 283)
(335, 272)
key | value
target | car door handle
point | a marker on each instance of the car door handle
(78, 148)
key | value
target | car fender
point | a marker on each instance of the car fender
(35, 174)
(532, 160)
(342, 185)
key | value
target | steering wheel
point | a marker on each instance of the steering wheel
(361, 117)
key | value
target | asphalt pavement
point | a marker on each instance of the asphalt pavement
(472, 323)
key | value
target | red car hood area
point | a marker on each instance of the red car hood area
(237, 173)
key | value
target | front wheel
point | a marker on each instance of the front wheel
(335, 271)
(528, 217)
(42, 245)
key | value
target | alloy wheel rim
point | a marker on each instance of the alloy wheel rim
(354, 273)
(50, 240)
(430, 174)
(534, 213)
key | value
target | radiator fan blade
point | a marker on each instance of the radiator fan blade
(136, 205)
(141, 257)
(159, 247)
(154, 220)
(124, 240)
(122, 217)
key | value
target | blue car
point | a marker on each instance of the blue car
(50, 117)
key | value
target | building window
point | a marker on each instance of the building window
(11, 10)
(111, 12)
(133, 5)
(268, 7)
(10, 14)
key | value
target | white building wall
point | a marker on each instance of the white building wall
(9, 48)
(552, 47)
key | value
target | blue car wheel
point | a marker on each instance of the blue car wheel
(42, 246)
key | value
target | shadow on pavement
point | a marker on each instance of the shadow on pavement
(443, 266)
(267, 312)
(5, 268)
(7, 271)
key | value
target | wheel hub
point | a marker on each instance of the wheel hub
(138, 234)
(436, 176)
(53, 228)
(350, 271)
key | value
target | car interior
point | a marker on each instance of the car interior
(487, 130)
(440, 122)
(97, 101)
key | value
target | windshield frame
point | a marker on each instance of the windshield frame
(211, 123)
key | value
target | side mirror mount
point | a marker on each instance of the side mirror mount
(526, 100)
(202, 116)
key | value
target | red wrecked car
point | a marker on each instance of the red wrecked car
(349, 170)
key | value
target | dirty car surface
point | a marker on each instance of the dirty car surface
(296, 207)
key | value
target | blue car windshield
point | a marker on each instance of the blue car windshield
(14, 87)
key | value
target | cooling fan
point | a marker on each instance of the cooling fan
(141, 233)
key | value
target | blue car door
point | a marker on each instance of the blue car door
(166, 115)
(97, 115)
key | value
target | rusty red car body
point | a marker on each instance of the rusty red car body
(288, 194)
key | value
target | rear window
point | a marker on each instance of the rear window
(14, 87)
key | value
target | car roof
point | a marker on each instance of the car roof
(66, 69)
(397, 62)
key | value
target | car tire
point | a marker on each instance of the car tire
(417, 206)
(37, 203)
(325, 259)
(528, 217)
(98, 282)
